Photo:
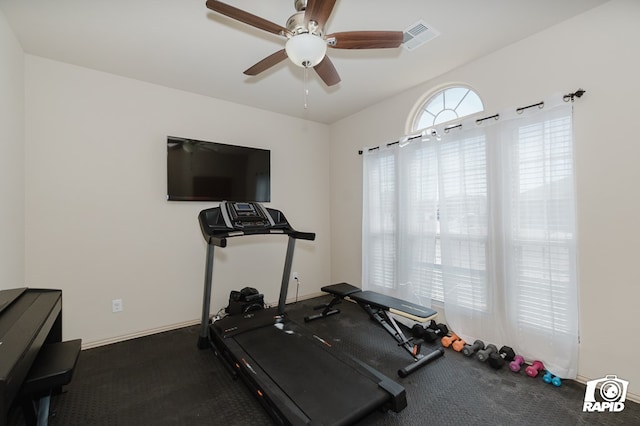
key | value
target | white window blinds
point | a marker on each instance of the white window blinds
(464, 219)
(485, 219)
(540, 260)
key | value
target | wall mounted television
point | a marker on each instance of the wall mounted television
(212, 171)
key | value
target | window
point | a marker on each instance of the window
(482, 217)
(447, 105)
(541, 243)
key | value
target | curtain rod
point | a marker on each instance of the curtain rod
(360, 152)
(568, 97)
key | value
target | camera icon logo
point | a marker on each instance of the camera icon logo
(605, 395)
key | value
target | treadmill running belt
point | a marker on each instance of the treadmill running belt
(328, 389)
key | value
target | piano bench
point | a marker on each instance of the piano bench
(52, 369)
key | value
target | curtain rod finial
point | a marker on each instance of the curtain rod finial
(570, 96)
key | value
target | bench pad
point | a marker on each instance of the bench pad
(341, 290)
(394, 305)
(381, 301)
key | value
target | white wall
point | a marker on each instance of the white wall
(11, 159)
(99, 227)
(597, 51)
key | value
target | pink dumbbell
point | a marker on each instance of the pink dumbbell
(516, 364)
(534, 369)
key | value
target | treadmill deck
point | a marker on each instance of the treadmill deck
(304, 372)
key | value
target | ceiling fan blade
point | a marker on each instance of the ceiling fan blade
(246, 17)
(267, 63)
(319, 11)
(365, 39)
(327, 72)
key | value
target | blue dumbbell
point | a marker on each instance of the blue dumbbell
(550, 378)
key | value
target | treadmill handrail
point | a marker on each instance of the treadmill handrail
(220, 239)
(216, 232)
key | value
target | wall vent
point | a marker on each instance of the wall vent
(418, 34)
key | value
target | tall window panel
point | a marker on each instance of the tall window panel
(418, 221)
(379, 220)
(540, 249)
(400, 222)
(464, 219)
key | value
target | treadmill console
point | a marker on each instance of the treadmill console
(241, 216)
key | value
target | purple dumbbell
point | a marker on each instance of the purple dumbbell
(534, 369)
(516, 364)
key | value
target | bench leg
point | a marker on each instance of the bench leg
(327, 309)
(383, 318)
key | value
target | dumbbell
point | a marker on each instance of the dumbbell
(516, 364)
(435, 331)
(497, 359)
(458, 345)
(417, 331)
(469, 350)
(484, 354)
(448, 340)
(534, 369)
(550, 378)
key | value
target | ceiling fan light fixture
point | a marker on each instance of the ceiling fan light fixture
(306, 50)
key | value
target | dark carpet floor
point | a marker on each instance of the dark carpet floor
(165, 380)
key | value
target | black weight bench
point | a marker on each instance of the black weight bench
(52, 369)
(379, 307)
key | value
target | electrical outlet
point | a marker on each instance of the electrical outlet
(295, 275)
(116, 305)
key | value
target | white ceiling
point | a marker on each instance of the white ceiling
(183, 45)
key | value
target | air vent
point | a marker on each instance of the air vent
(418, 34)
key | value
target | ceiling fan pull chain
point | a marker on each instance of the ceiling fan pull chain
(306, 87)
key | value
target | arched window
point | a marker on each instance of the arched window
(447, 105)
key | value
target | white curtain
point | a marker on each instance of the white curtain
(465, 229)
(503, 193)
(400, 221)
(539, 229)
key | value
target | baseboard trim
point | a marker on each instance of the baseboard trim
(143, 333)
(301, 298)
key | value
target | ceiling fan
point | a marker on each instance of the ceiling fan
(306, 44)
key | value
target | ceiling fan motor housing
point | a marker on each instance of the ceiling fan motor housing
(306, 47)
(295, 24)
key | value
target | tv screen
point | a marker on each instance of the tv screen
(211, 171)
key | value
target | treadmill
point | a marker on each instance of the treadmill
(298, 377)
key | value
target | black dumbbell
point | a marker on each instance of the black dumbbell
(435, 331)
(417, 331)
(469, 350)
(484, 354)
(420, 332)
(497, 360)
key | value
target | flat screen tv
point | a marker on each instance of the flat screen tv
(212, 171)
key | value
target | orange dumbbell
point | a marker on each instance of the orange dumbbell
(448, 340)
(458, 345)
